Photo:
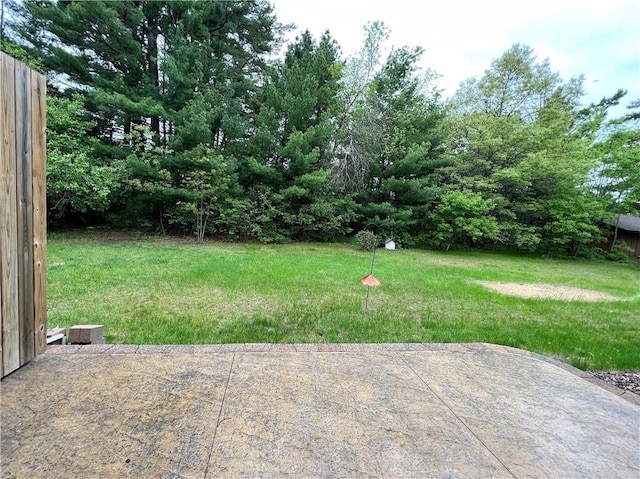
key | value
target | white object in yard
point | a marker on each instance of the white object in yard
(390, 244)
(57, 337)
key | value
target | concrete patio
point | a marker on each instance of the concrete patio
(313, 410)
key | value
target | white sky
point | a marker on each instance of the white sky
(597, 38)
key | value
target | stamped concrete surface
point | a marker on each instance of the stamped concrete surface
(322, 410)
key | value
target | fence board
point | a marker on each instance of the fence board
(39, 149)
(23, 306)
(9, 223)
(4, 208)
(24, 193)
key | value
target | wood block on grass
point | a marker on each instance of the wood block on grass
(86, 334)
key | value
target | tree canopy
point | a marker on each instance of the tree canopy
(190, 117)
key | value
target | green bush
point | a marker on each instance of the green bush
(367, 240)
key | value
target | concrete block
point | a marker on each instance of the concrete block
(86, 334)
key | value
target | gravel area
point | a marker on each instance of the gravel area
(627, 380)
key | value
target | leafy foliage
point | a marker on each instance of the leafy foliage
(76, 182)
(367, 240)
(181, 117)
(461, 218)
(522, 143)
(618, 173)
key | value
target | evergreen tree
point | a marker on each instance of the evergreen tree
(390, 140)
(289, 169)
(107, 50)
(185, 72)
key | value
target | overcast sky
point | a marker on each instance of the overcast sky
(597, 38)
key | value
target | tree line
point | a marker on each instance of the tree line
(182, 117)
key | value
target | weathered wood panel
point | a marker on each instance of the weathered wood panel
(22, 214)
(39, 149)
(9, 223)
(24, 191)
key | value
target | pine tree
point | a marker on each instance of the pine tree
(395, 126)
(185, 72)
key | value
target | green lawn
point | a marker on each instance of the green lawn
(159, 292)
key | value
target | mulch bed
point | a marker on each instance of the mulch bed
(629, 381)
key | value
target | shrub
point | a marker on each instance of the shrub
(367, 240)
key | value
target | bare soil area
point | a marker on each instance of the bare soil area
(547, 291)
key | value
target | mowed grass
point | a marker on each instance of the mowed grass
(159, 292)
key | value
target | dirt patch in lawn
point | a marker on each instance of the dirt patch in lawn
(547, 291)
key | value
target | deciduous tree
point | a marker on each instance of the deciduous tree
(521, 140)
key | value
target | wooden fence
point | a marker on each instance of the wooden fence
(23, 304)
